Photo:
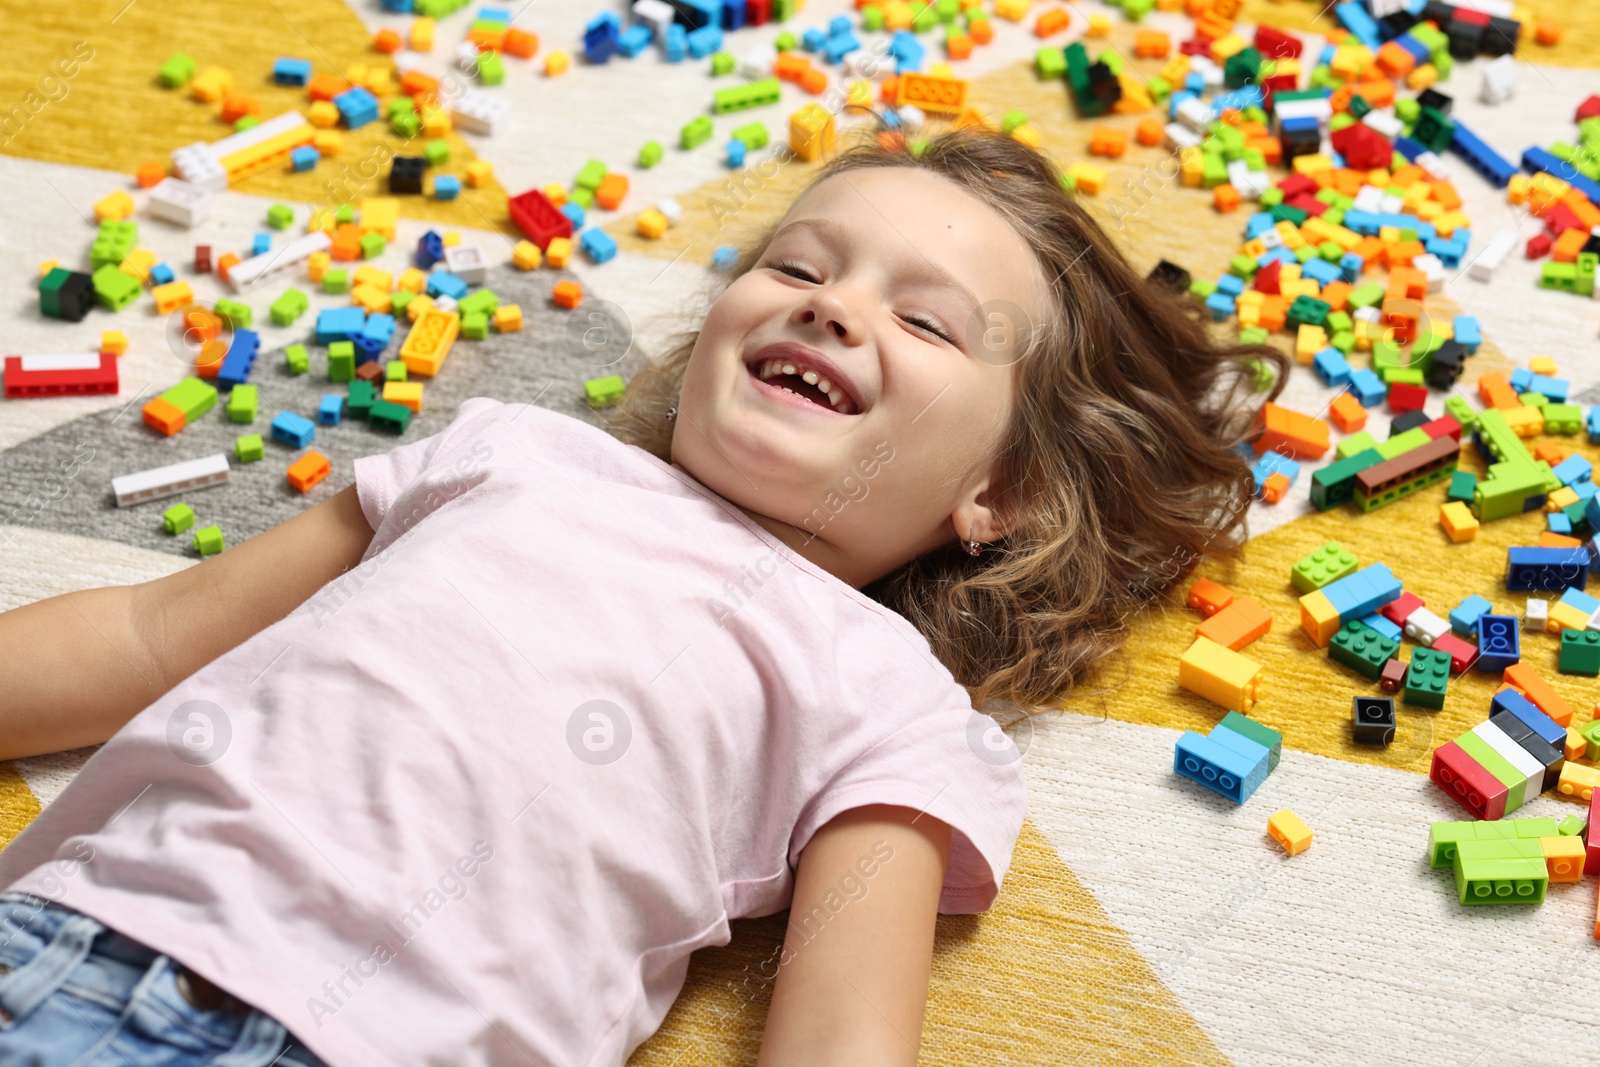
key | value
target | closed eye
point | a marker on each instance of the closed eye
(931, 327)
(794, 270)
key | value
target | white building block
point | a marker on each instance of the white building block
(179, 201)
(672, 210)
(1433, 269)
(1181, 136)
(912, 117)
(1385, 122)
(65, 361)
(198, 165)
(1488, 261)
(1368, 198)
(1499, 80)
(478, 112)
(1424, 627)
(445, 303)
(170, 480)
(1250, 183)
(467, 263)
(273, 261)
(1536, 614)
(1196, 114)
(657, 14)
(757, 62)
(1318, 109)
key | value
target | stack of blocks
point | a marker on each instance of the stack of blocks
(1233, 760)
(1509, 862)
(1514, 756)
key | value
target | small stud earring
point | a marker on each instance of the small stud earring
(672, 413)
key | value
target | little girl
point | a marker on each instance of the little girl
(460, 765)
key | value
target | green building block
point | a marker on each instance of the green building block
(1571, 826)
(1580, 651)
(1427, 677)
(387, 416)
(491, 70)
(603, 392)
(361, 398)
(786, 40)
(248, 448)
(1354, 444)
(177, 70)
(474, 326)
(436, 152)
(296, 359)
(112, 243)
(208, 541)
(280, 216)
(1562, 418)
(1534, 400)
(723, 63)
(1307, 311)
(696, 132)
(399, 300)
(478, 302)
(593, 173)
(341, 361)
(1497, 765)
(1265, 736)
(242, 402)
(1051, 63)
(394, 371)
(1496, 879)
(114, 288)
(1461, 485)
(1460, 408)
(1262, 374)
(1327, 564)
(1590, 732)
(336, 280)
(1364, 296)
(1402, 443)
(178, 518)
(1362, 648)
(290, 306)
(372, 245)
(238, 316)
(758, 93)
(754, 136)
(1336, 483)
(406, 123)
(584, 198)
(193, 396)
(650, 154)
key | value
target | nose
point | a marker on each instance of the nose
(826, 309)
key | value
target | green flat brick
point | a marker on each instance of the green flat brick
(1495, 764)
(1501, 881)
(1402, 443)
(1361, 648)
(1327, 564)
(178, 518)
(249, 448)
(1427, 677)
(387, 416)
(115, 289)
(242, 401)
(1580, 652)
(1355, 444)
(603, 392)
(1571, 826)
(758, 93)
(1265, 736)
(193, 396)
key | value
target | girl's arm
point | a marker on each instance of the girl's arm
(853, 978)
(75, 668)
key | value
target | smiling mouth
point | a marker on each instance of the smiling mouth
(807, 384)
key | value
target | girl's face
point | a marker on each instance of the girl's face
(908, 298)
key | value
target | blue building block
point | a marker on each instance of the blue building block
(1494, 167)
(1367, 387)
(1546, 569)
(304, 158)
(430, 250)
(813, 39)
(1499, 645)
(1464, 619)
(724, 258)
(704, 41)
(1577, 598)
(1552, 389)
(676, 44)
(1451, 251)
(379, 327)
(1331, 367)
(600, 37)
(339, 324)
(1220, 305)
(1557, 522)
(367, 348)
(241, 356)
(1381, 624)
(1321, 271)
(1418, 50)
(260, 244)
(1466, 332)
(633, 40)
(1219, 767)
(733, 13)
(1536, 160)
(1231, 284)
(288, 71)
(1574, 468)
(331, 410)
(1363, 592)
(736, 151)
(1534, 718)
(1350, 267)
(161, 274)
(1409, 148)
(840, 45)
(1593, 425)
(1520, 379)
(443, 283)
(574, 211)
(598, 244)
(446, 187)
(296, 431)
(1258, 224)
(357, 107)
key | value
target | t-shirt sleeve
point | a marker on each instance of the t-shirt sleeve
(956, 766)
(381, 479)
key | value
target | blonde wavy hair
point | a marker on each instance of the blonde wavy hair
(1119, 459)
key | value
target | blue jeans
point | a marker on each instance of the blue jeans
(73, 992)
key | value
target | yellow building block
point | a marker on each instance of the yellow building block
(317, 265)
(1026, 134)
(1564, 497)
(379, 215)
(1458, 521)
(1565, 617)
(508, 318)
(1525, 420)
(171, 297)
(1577, 781)
(327, 142)
(556, 193)
(1319, 619)
(139, 263)
(556, 63)
(47, 266)
(651, 224)
(416, 308)
(1517, 190)
(1314, 163)
(370, 297)
(420, 37)
(323, 115)
(436, 122)
(406, 394)
(1299, 287)
(377, 277)
(1015, 10)
(1563, 857)
(1220, 674)
(812, 132)
(526, 255)
(558, 252)
(114, 207)
(480, 172)
(1227, 45)
(412, 280)
(1292, 237)
(211, 84)
(430, 339)
(1543, 365)
(451, 238)
(1091, 177)
(114, 341)
(1289, 831)
(1308, 341)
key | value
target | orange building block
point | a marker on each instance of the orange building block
(1550, 452)
(1053, 21)
(791, 65)
(1238, 624)
(1568, 245)
(1334, 294)
(1548, 31)
(613, 187)
(1274, 311)
(1290, 433)
(1226, 198)
(1494, 389)
(1275, 488)
(164, 417)
(1108, 141)
(520, 43)
(567, 294)
(1208, 596)
(1523, 677)
(1347, 413)
(150, 172)
(1151, 44)
(326, 86)
(1149, 132)
(308, 470)
(1549, 539)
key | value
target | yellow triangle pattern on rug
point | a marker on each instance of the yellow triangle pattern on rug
(18, 806)
(1042, 977)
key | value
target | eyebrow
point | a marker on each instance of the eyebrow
(925, 268)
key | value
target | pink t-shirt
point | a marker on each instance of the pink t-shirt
(477, 800)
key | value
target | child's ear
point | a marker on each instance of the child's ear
(981, 517)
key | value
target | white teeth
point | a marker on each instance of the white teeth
(772, 368)
(825, 385)
(788, 368)
(809, 377)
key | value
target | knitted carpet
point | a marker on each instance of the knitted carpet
(1145, 920)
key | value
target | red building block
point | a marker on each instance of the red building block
(1276, 44)
(1399, 609)
(1539, 245)
(72, 375)
(1403, 396)
(1443, 426)
(758, 12)
(1462, 653)
(1468, 784)
(537, 217)
(1588, 109)
(1591, 861)
(1266, 279)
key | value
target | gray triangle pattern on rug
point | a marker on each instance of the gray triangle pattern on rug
(61, 479)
